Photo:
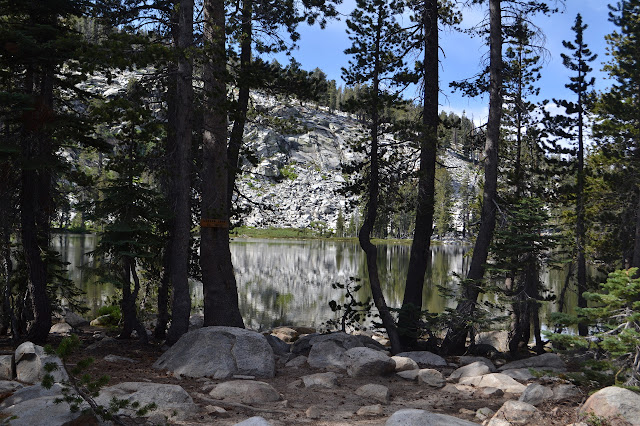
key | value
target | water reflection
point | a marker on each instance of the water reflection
(289, 281)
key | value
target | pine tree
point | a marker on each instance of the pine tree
(571, 126)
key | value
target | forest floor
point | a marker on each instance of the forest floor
(337, 406)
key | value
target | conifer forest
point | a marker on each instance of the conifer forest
(154, 165)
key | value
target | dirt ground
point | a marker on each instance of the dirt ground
(336, 406)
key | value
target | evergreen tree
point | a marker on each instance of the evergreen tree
(443, 220)
(571, 126)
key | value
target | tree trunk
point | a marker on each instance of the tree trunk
(421, 244)
(455, 339)
(218, 280)
(240, 114)
(364, 235)
(35, 211)
(160, 331)
(181, 185)
(583, 329)
(130, 320)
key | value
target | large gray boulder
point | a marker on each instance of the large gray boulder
(614, 402)
(30, 362)
(40, 411)
(327, 354)
(467, 359)
(548, 361)
(363, 362)
(23, 394)
(477, 368)
(219, 352)
(414, 417)
(245, 391)
(498, 339)
(424, 358)
(494, 380)
(75, 320)
(303, 345)
(170, 400)
(403, 363)
(431, 377)
(374, 392)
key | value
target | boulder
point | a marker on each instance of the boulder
(220, 352)
(536, 394)
(254, 421)
(477, 368)
(424, 358)
(497, 339)
(7, 367)
(521, 374)
(365, 361)
(7, 386)
(102, 321)
(196, 321)
(614, 402)
(170, 400)
(494, 380)
(279, 347)
(61, 328)
(460, 390)
(286, 334)
(41, 411)
(484, 413)
(325, 380)
(75, 320)
(22, 394)
(516, 413)
(375, 392)
(303, 345)
(370, 410)
(298, 361)
(414, 417)
(466, 360)
(30, 363)
(431, 377)
(548, 361)
(403, 363)
(328, 354)
(245, 391)
(491, 392)
(409, 374)
(565, 391)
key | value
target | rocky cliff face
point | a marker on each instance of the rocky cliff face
(292, 163)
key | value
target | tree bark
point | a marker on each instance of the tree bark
(35, 197)
(240, 113)
(364, 235)
(219, 283)
(421, 244)
(455, 339)
(181, 185)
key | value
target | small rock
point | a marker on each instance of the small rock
(61, 328)
(296, 362)
(7, 367)
(536, 394)
(286, 334)
(565, 391)
(245, 391)
(376, 392)
(466, 360)
(403, 363)
(371, 410)
(414, 417)
(492, 392)
(295, 384)
(515, 413)
(325, 380)
(254, 421)
(102, 321)
(484, 413)
(424, 358)
(466, 412)
(314, 412)
(75, 320)
(494, 380)
(327, 355)
(431, 377)
(116, 358)
(409, 374)
(243, 377)
(460, 390)
(214, 409)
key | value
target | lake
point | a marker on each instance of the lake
(289, 281)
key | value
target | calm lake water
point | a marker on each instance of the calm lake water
(289, 281)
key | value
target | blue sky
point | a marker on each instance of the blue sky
(462, 55)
